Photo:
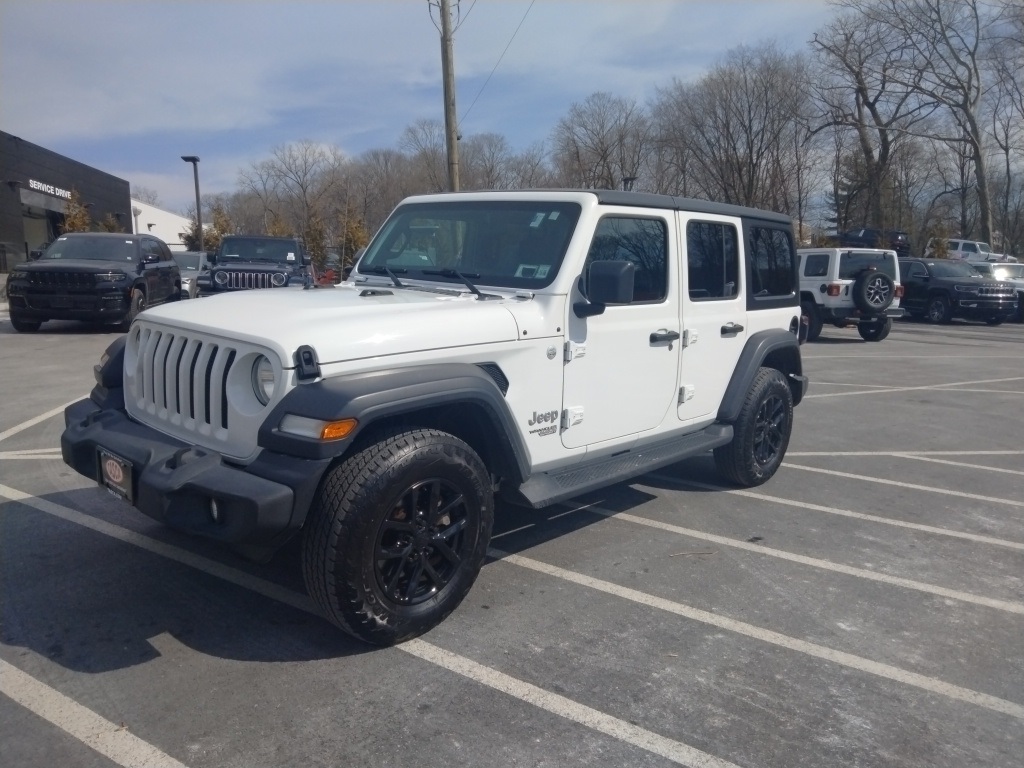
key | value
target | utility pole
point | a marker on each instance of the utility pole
(451, 128)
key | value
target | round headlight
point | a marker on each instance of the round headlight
(279, 279)
(263, 379)
(221, 278)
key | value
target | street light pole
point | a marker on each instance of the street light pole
(199, 211)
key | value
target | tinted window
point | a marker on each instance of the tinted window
(188, 261)
(93, 248)
(970, 248)
(260, 249)
(852, 264)
(515, 244)
(772, 262)
(712, 255)
(641, 241)
(951, 269)
(816, 265)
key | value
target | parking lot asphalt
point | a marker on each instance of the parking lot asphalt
(865, 607)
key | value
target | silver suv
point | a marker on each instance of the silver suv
(846, 286)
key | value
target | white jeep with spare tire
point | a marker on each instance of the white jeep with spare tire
(850, 286)
(528, 345)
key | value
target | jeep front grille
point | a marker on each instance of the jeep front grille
(251, 279)
(62, 279)
(183, 379)
(995, 291)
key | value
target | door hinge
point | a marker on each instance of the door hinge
(686, 393)
(572, 416)
(689, 337)
(573, 350)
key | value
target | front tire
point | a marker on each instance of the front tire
(995, 320)
(761, 432)
(814, 321)
(136, 304)
(939, 310)
(25, 326)
(875, 331)
(397, 535)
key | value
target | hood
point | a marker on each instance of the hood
(340, 323)
(80, 265)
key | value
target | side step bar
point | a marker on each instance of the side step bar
(548, 488)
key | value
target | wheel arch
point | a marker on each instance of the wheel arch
(459, 398)
(769, 349)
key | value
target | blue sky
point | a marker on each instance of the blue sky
(130, 86)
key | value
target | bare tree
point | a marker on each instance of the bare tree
(146, 195)
(602, 143)
(424, 142)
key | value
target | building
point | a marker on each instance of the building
(35, 184)
(164, 224)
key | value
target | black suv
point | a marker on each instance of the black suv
(255, 261)
(891, 239)
(94, 277)
(940, 290)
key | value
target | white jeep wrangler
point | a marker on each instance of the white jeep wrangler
(847, 286)
(532, 345)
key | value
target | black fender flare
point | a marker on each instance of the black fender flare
(372, 396)
(781, 350)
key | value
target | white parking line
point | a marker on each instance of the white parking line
(976, 537)
(859, 663)
(281, 594)
(932, 387)
(911, 486)
(112, 741)
(911, 454)
(591, 718)
(48, 454)
(32, 422)
(958, 463)
(814, 562)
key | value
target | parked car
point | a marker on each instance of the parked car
(193, 265)
(94, 277)
(941, 289)
(892, 239)
(843, 286)
(244, 262)
(1010, 273)
(958, 248)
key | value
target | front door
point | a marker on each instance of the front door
(622, 365)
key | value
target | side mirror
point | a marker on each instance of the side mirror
(33, 255)
(608, 282)
(306, 261)
(151, 258)
(211, 257)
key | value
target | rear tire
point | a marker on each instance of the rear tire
(761, 432)
(875, 331)
(397, 534)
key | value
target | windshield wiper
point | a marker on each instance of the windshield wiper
(382, 270)
(463, 276)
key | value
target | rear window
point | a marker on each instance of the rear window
(852, 264)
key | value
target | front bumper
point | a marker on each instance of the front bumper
(984, 308)
(80, 306)
(258, 505)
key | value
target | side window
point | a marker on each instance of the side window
(712, 258)
(816, 265)
(771, 263)
(641, 241)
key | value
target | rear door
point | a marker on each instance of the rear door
(714, 312)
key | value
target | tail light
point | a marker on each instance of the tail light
(834, 289)
(899, 291)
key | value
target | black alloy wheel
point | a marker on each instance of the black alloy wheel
(761, 432)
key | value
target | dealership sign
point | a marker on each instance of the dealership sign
(49, 189)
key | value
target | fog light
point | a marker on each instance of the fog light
(214, 511)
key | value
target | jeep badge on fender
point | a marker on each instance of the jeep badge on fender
(380, 419)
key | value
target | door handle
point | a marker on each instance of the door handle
(664, 336)
(731, 329)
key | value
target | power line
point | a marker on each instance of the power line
(466, 113)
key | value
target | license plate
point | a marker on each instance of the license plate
(116, 474)
(61, 302)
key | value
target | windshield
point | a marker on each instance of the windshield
(189, 261)
(512, 244)
(851, 264)
(1008, 271)
(92, 248)
(984, 247)
(260, 249)
(952, 269)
